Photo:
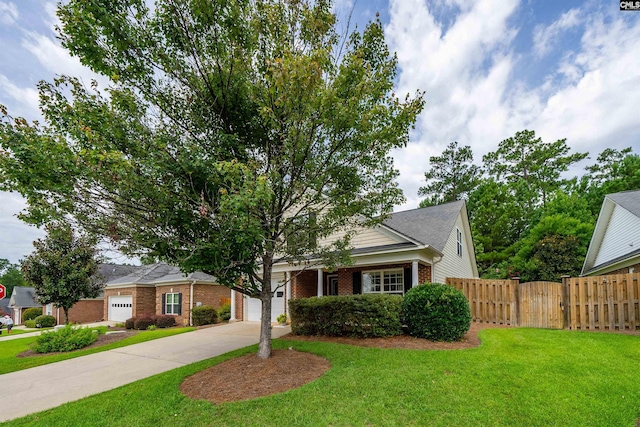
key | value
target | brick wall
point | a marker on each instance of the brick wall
(305, 285)
(84, 311)
(636, 269)
(239, 306)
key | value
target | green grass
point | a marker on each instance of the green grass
(15, 331)
(11, 348)
(518, 377)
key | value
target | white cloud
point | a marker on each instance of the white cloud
(15, 235)
(25, 100)
(8, 13)
(544, 36)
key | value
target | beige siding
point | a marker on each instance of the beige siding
(451, 264)
(365, 238)
(621, 237)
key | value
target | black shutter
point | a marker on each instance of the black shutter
(408, 279)
(163, 303)
(179, 304)
(357, 283)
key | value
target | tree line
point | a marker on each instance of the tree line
(529, 219)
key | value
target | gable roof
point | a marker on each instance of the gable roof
(428, 226)
(23, 296)
(108, 272)
(629, 201)
(158, 273)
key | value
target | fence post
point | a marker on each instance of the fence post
(515, 282)
(566, 306)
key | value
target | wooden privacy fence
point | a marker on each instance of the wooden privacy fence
(598, 302)
(603, 302)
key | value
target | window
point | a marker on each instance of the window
(172, 303)
(459, 241)
(383, 281)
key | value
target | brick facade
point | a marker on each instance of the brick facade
(143, 300)
(239, 306)
(84, 311)
(305, 284)
(636, 269)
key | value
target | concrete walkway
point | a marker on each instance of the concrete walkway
(36, 389)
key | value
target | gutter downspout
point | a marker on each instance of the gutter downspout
(433, 269)
(191, 303)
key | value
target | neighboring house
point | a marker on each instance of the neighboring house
(615, 245)
(22, 297)
(89, 310)
(408, 248)
(161, 289)
(4, 306)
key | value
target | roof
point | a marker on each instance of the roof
(159, 273)
(23, 296)
(630, 200)
(108, 272)
(429, 226)
(4, 306)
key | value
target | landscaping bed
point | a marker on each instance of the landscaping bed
(103, 339)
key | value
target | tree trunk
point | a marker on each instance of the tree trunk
(66, 315)
(264, 350)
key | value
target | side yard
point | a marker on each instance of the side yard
(517, 377)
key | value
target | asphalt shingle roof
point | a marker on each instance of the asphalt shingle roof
(429, 226)
(158, 273)
(24, 296)
(630, 200)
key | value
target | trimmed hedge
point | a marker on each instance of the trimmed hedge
(204, 315)
(31, 313)
(361, 316)
(45, 321)
(225, 312)
(66, 339)
(143, 322)
(30, 323)
(436, 312)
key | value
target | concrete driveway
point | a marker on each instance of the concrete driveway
(36, 389)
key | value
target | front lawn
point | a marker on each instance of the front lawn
(11, 348)
(518, 377)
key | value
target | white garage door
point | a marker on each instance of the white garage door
(254, 306)
(120, 308)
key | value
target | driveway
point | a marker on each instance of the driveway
(44, 387)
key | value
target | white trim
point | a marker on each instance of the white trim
(414, 273)
(233, 306)
(382, 273)
(320, 282)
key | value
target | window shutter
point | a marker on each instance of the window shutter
(408, 279)
(179, 304)
(164, 303)
(357, 283)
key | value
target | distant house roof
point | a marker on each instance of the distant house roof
(23, 296)
(4, 306)
(108, 272)
(616, 236)
(159, 273)
(429, 226)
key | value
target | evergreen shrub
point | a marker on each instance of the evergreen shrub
(436, 312)
(66, 339)
(45, 321)
(31, 313)
(204, 315)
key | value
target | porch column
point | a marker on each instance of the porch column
(319, 282)
(287, 280)
(414, 273)
(233, 306)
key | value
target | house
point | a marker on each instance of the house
(89, 310)
(615, 244)
(408, 248)
(22, 298)
(161, 289)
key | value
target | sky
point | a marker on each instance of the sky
(489, 68)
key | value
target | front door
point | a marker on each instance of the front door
(331, 286)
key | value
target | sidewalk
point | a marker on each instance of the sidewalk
(36, 389)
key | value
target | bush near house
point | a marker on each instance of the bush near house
(204, 315)
(143, 322)
(45, 321)
(361, 316)
(225, 312)
(30, 323)
(436, 312)
(66, 339)
(31, 313)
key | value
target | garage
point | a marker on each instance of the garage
(254, 305)
(120, 308)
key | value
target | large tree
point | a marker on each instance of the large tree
(10, 276)
(451, 176)
(229, 129)
(63, 268)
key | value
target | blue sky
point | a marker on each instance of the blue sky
(566, 69)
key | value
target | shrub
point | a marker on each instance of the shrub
(353, 315)
(282, 318)
(151, 328)
(30, 323)
(45, 321)
(204, 315)
(129, 323)
(436, 312)
(66, 339)
(142, 323)
(225, 312)
(31, 313)
(165, 321)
